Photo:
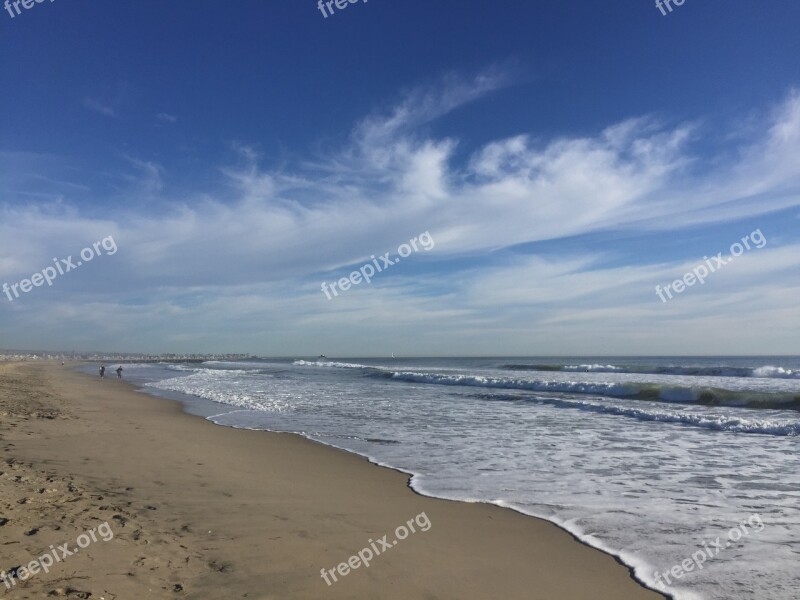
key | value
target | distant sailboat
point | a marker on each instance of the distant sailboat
(392, 354)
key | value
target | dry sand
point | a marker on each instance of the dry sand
(202, 511)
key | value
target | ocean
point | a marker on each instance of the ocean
(650, 459)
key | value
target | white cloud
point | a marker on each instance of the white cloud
(250, 259)
(98, 106)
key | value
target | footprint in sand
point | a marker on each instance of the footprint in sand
(69, 593)
(120, 519)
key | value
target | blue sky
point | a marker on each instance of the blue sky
(565, 157)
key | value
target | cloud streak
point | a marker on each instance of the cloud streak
(257, 251)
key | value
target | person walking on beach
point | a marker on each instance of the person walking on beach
(119, 372)
(102, 372)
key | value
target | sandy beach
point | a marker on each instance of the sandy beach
(202, 511)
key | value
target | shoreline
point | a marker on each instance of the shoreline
(310, 481)
(409, 484)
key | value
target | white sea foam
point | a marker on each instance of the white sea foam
(776, 372)
(592, 368)
(329, 364)
(577, 387)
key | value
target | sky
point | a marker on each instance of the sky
(557, 164)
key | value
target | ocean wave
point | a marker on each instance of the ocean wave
(173, 367)
(768, 371)
(224, 365)
(777, 427)
(329, 364)
(776, 372)
(608, 389)
(631, 390)
(201, 370)
(592, 368)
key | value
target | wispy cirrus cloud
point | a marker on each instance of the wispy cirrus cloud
(109, 99)
(256, 251)
(99, 107)
(166, 118)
